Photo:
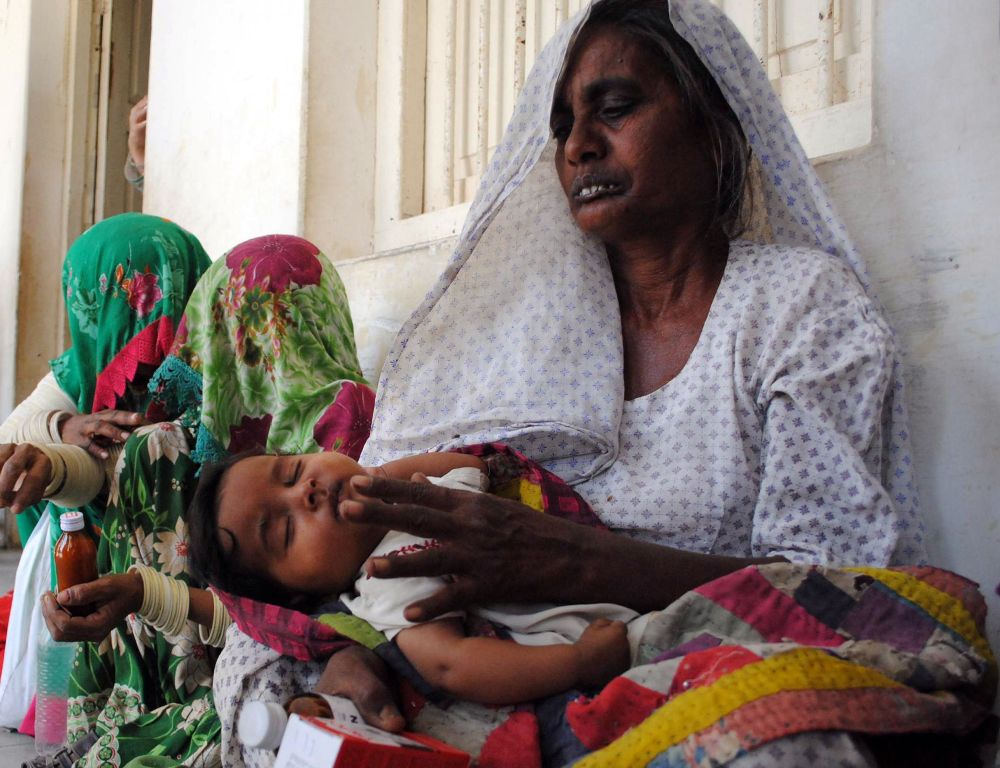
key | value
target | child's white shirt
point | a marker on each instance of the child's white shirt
(381, 602)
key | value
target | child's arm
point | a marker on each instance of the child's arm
(430, 464)
(493, 671)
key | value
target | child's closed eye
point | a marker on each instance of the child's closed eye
(293, 476)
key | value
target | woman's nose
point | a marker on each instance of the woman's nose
(583, 143)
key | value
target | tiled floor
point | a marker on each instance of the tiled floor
(14, 748)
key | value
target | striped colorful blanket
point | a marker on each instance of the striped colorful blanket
(767, 652)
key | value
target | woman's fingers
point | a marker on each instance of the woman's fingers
(65, 627)
(450, 597)
(117, 594)
(90, 592)
(25, 473)
(96, 431)
(405, 492)
(428, 562)
(416, 517)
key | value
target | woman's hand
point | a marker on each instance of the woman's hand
(137, 132)
(24, 474)
(356, 673)
(97, 431)
(111, 597)
(491, 549)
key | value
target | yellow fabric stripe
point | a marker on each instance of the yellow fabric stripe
(796, 670)
(531, 494)
(941, 606)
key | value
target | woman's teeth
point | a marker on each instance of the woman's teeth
(594, 190)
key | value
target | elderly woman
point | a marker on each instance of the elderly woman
(264, 358)
(717, 400)
(720, 402)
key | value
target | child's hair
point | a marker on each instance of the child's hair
(209, 559)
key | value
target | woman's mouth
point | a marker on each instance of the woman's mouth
(588, 188)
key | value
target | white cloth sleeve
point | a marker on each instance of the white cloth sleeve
(36, 418)
(824, 377)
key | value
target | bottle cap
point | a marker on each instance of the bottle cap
(71, 521)
(262, 724)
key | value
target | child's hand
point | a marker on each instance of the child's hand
(603, 652)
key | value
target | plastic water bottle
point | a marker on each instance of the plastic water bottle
(55, 660)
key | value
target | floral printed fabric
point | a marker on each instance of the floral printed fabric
(126, 281)
(269, 334)
(264, 355)
(146, 692)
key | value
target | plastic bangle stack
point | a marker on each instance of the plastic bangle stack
(165, 605)
(165, 601)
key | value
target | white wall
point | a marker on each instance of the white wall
(923, 203)
(225, 141)
(340, 182)
(14, 35)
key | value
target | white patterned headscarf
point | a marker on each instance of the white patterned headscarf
(520, 339)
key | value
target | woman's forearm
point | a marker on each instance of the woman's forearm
(201, 608)
(643, 576)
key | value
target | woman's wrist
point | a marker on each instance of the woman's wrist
(137, 590)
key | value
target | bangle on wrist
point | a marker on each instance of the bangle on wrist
(216, 634)
(165, 601)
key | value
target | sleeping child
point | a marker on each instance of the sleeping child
(268, 527)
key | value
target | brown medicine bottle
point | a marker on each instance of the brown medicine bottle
(75, 556)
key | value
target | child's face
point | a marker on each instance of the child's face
(282, 512)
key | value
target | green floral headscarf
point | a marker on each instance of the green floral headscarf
(126, 281)
(267, 346)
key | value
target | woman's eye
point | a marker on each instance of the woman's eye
(561, 131)
(616, 111)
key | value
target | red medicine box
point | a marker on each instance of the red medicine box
(313, 742)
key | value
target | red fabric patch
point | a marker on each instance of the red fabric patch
(513, 744)
(622, 704)
(346, 424)
(275, 261)
(149, 346)
(776, 616)
(5, 603)
(705, 667)
(27, 726)
(251, 432)
(411, 700)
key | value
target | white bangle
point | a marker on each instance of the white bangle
(216, 635)
(165, 601)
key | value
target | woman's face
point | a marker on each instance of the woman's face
(629, 158)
